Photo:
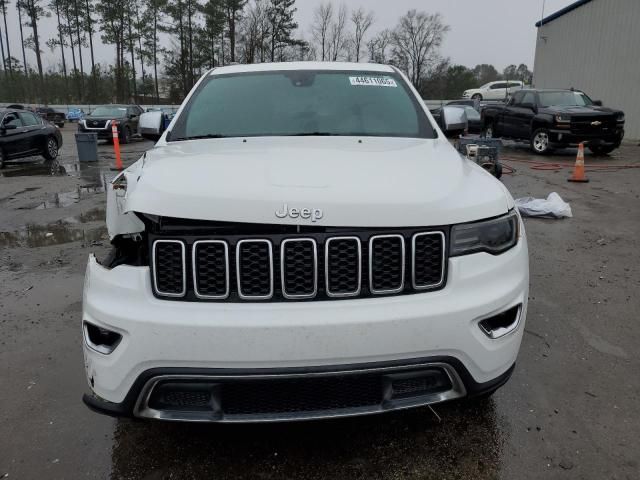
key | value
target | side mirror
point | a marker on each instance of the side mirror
(8, 127)
(454, 121)
(597, 103)
(151, 125)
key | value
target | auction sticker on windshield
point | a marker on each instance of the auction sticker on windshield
(373, 82)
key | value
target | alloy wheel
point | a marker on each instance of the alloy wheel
(541, 142)
(52, 148)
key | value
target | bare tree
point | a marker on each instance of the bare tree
(24, 54)
(252, 31)
(4, 63)
(378, 46)
(362, 22)
(338, 38)
(322, 19)
(416, 41)
(3, 7)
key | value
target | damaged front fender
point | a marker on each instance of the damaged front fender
(119, 220)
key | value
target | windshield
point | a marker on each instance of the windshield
(109, 112)
(302, 102)
(564, 99)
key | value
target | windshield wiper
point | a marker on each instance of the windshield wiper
(199, 137)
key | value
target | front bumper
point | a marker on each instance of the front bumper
(566, 137)
(235, 340)
(103, 133)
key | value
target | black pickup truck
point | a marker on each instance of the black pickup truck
(49, 114)
(555, 119)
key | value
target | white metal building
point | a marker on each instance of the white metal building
(594, 46)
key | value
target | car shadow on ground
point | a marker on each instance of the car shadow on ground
(457, 440)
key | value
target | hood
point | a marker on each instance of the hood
(367, 183)
(579, 111)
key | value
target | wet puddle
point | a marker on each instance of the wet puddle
(69, 230)
(90, 172)
(65, 199)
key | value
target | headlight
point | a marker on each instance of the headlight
(492, 236)
(620, 118)
(563, 119)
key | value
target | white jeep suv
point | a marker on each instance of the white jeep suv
(302, 242)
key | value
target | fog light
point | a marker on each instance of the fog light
(100, 339)
(501, 324)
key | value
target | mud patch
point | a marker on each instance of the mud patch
(69, 230)
(66, 199)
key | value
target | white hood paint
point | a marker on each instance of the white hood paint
(381, 182)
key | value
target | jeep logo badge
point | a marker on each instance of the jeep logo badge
(313, 214)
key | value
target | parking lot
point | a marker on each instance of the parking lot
(570, 411)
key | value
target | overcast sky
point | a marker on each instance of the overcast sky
(499, 32)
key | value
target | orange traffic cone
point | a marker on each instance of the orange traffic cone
(116, 146)
(578, 171)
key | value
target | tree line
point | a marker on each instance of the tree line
(162, 47)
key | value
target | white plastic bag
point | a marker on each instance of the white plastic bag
(552, 207)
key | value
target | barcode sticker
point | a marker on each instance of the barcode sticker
(373, 82)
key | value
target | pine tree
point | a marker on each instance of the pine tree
(281, 17)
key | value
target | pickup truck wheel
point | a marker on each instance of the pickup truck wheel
(540, 142)
(599, 151)
(477, 96)
(50, 149)
(490, 131)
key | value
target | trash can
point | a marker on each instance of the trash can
(87, 144)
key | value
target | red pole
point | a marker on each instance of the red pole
(116, 145)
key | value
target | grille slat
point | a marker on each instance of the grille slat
(299, 268)
(386, 264)
(169, 268)
(343, 267)
(428, 256)
(211, 269)
(309, 267)
(254, 269)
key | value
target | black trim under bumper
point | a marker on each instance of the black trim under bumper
(561, 137)
(126, 408)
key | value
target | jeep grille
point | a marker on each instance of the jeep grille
(318, 266)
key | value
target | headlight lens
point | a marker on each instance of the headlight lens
(621, 117)
(492, 236)
(563, 119)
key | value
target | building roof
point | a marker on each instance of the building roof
(560, 13)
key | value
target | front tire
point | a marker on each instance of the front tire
(490, 131)
(477, 96)
(541, 142)
(125, 135)
(600, 151)
(51, 149)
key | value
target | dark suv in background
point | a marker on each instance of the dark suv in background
(100, 120)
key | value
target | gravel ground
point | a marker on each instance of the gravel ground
(570, 411)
